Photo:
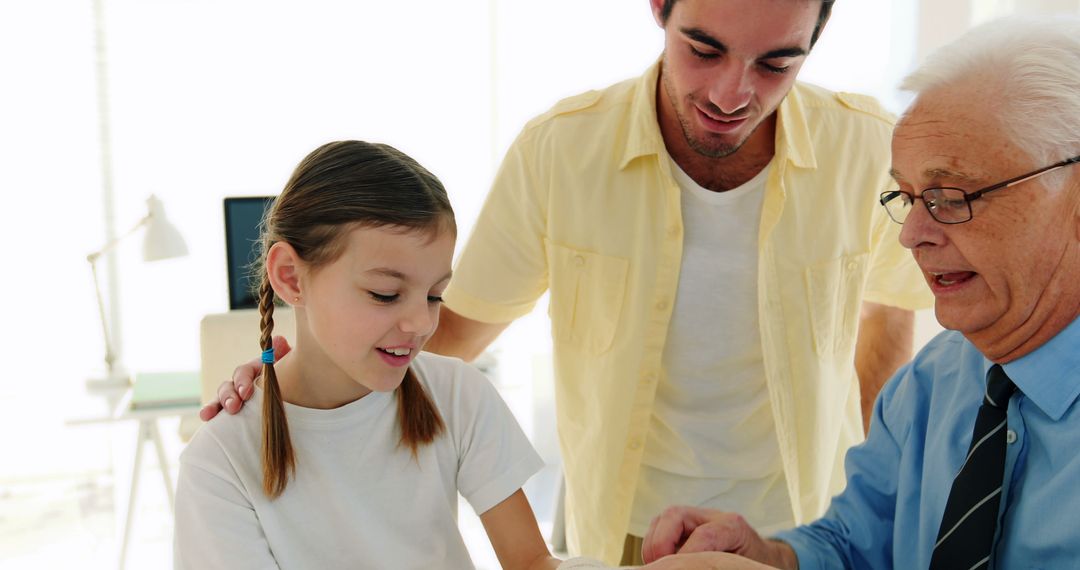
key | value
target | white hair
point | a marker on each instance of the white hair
(1037, 64)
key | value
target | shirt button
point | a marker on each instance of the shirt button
(579, 260)
(635, 444)
(1010, 436)
(661, 305)
(673, 232)
(648, 377)
(851, 266)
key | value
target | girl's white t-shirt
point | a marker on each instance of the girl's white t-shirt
(358, 499)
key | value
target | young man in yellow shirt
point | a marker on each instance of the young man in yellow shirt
(709, 234)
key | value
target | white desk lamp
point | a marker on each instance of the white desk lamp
(161, 241)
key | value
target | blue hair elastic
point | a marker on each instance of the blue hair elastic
(268, 356)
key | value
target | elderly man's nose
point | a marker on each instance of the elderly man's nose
(920, 228)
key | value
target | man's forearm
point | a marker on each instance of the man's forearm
(462, 337)
(886, 336)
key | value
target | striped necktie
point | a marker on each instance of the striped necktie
(966, 535)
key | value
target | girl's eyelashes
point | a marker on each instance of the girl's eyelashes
(387, 299)
(383, 298)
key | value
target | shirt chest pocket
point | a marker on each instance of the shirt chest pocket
(834, 291)
(587, 292)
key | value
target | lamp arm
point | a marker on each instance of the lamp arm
(110, 358)
(93, 257)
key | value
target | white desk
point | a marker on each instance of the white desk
(119, 409)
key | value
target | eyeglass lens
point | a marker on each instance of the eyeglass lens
(946, 205)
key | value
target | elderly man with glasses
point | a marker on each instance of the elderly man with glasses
(971, 461)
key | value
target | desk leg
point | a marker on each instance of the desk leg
(164, 464)
(144, 433)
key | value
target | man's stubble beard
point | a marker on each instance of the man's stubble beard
(723, 150)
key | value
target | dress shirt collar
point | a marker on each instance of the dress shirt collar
(1049, 376)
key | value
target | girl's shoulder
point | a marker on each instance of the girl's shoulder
(439, 372)
(227, 437)
(450, 381)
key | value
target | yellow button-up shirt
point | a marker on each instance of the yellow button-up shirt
(584, 205)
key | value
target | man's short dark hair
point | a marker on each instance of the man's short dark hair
(826, 9)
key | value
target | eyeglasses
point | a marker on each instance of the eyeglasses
(953, 205)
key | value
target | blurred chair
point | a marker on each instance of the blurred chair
(227, 340)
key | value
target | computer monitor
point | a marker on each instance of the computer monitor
(243, 217)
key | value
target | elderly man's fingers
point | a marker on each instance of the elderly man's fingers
(668, 531)
(727, 532)
(711, 537)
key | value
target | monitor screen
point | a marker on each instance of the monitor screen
(242, 219)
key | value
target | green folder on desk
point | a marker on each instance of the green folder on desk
(164, 389)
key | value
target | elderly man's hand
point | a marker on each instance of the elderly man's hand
(687, 530)
(233, 393)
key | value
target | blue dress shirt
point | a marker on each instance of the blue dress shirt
(899, 479)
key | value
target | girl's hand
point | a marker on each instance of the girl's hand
(695, 561)
(706, 560)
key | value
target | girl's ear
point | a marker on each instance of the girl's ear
(284, 267)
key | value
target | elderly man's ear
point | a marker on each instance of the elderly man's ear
(1075, 191)
(1076, 218)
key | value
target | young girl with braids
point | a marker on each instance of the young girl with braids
(358, 443)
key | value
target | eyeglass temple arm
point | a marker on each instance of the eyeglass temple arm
(1019, 179)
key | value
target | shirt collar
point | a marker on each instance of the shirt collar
(793, 131)
(1050, 376)
(643, 136)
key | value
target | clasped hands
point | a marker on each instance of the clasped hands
(693, 537)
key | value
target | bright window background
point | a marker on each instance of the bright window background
(208, 99)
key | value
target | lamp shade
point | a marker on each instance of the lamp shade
(162, 240)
